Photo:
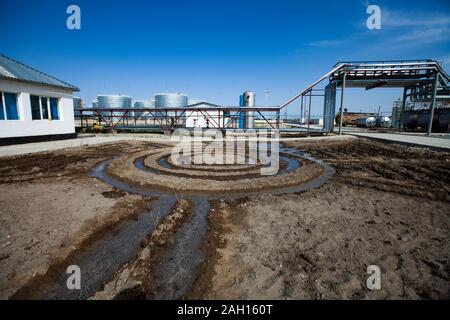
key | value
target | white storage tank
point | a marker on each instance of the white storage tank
(170, 100)
(249, 101)
(384, 122)
(112, 101)
(141, 104)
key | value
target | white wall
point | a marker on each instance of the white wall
(198, 120)
(25, 126)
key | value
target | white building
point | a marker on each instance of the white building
(33, 105)
(204, 115)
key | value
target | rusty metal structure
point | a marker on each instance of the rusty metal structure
(168, 119)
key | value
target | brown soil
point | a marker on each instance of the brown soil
(387, 205)
(389, 168)
(51, 208)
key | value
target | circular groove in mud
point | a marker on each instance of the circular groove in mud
(215, 172)
(183, 258)
(180, 264)
(155, 171)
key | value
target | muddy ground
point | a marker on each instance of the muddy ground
(51, 208)
(387, 205)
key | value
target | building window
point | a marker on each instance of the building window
(44, 108)
(35, 108)
(54, 108)
(8, 106)
(40, 108)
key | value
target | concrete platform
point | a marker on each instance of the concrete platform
(439, 143)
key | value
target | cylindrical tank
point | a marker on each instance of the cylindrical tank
(384, 122)
(242, 116)
(350, 118)
(410, 119)
(249, 101)
(141, 104)
(444, 120)
(368, 122)
(423, 119)
(94, 105)
(112, 101)
(170, 100)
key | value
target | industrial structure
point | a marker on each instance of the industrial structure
(36, 106)
(423, 81)
(33, 105)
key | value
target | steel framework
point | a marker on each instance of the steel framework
(422, 80)
(170, 118)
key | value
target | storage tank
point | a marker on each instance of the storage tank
(444, 120)
(423, 119)
(242, 115)
(368, 122)
(350, 118)
(410, 119)
(170, 100)
(384, 122)
(112, 101)
(249, 101)
(141, 104)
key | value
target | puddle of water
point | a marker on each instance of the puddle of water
(292, 165)
(101, 260)
(180, 263)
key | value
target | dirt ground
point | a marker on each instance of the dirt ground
(387, 205)
(51, 207)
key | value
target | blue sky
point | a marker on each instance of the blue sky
(215, 50)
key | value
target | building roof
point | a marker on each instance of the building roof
(203, 103)
(16, 71)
